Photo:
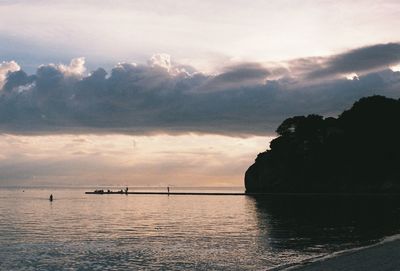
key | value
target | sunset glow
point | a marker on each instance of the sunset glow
(120, 160)
(184, 93)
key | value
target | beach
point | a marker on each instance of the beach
(384, 256)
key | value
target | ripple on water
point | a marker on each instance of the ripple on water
(115, 232)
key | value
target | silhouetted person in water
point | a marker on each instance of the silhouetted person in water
(126, 190)
(168, 189)
(51, 197)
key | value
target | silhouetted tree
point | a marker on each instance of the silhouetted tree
(357, 152)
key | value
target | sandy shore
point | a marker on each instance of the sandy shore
(382, 257)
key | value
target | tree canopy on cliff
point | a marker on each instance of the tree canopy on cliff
(357, 152)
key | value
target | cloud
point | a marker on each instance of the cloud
(75, 68)
(5, 68)
(166, 97)
(237, 76)
(161, 60)
(360, 60)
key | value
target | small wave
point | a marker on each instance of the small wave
(292, 266)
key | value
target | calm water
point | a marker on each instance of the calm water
(137, 232)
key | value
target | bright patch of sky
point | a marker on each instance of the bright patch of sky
(186, 160)
(199, 33)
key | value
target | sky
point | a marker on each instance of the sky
(177, 92)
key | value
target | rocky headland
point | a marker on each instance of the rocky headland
(357, 152)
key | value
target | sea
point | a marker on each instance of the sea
(77, 231)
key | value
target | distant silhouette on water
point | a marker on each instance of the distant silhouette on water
(168, 189)
(51, 197)
(358, 152)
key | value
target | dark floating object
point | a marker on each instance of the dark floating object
(108, 191)
(51, 197)
(178, 193)
(101, 192)
(357, 152)
(256, 194)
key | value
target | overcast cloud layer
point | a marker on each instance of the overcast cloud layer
(163, 96)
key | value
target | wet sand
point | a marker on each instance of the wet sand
(382, 257)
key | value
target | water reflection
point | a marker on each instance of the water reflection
(126, 232)
(326, 223)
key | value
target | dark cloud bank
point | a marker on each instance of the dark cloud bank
(165, 97)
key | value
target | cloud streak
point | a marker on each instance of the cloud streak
(359, 60)
(166, 97)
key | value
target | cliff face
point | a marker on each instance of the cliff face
(358, 152)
